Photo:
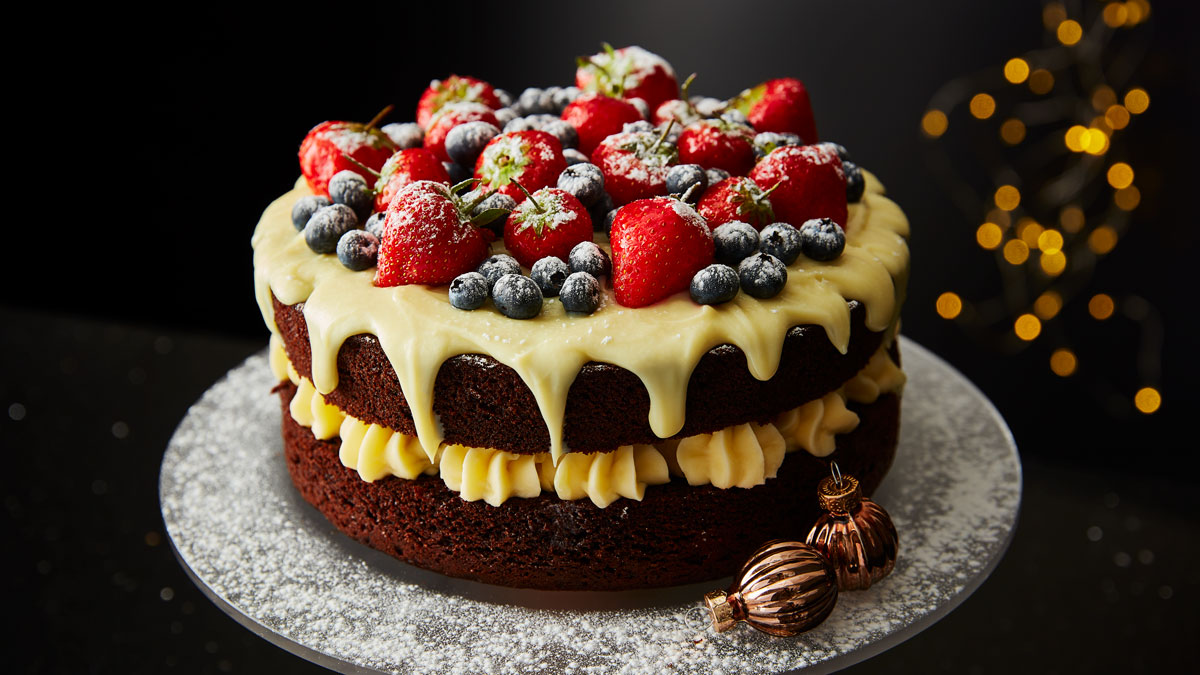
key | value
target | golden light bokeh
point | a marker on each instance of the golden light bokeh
(1063, 362)
(1048, 305)
(1102, 240)
(982, 106)
(999, 217)
(1041, 81)
(1074, 138)
(949, 305)
(1029, 230)
(1012, 131)
(1102, 97)
(1127, 198)
(1101, 306)
(934, 123)
(1115, 14)
(1117, 116)
(1053, 14)
(1027, 327)
(1137, 101)
(1069, 32)
(1095, 142)
(1008, 197)
(989, 236)
(1016, 71)
(1016, 252)
(1135, 12)
(1053, 263)
(1071, 218)
(1120, 175)
(1050, 241)
(1147, 400)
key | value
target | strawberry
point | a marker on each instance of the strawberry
(811, 183)
(718, 144)
(429, 237)
(634, 165)
(737, 198)
(549, 222)
(404, 167)
(679, 110)
(596, 117)
(533, 157)
(628, 72)
(780, 105)
(451, 115)
(323, 152)
(658, 245)
(453, 89)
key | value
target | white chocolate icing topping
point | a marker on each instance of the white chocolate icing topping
(661, 344)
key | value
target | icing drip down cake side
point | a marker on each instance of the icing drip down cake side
(604, 336)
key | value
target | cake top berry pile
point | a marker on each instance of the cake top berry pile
(697, 195)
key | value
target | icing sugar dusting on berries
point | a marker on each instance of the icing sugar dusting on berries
(689, 214)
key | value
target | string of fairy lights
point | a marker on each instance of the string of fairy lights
(1063, 194)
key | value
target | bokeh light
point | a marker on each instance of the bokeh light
(1127, 198)
(1012, 131)
(1071, 218)
(1048, 305)
(1120, 175)
(1016, 71)
(1137, 101)
(1008, 197)
(1101, 306)
(1041, 81)
(1050, 241)
(1115, 14)
(1016, 252)
(1069, 32)
(989, 236)
(949, 305)
(1063, 362)
(1147, 400)
(982, 106)
(934, 123)
(1117, 116)
(1053, 263)
(1027, 327)
(1102, 240)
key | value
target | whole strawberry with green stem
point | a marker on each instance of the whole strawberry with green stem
(628, 72)
(454, 89)
(658, 245)
(429, 236)
(450, 116)
(550, 222)
(810, 183)
(405, 167)
(635, 164)
(737, 198)
(781, 105)
(718, 144)
(326, 148)
(533, 157)
(596, 117)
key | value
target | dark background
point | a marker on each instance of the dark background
(156, 146)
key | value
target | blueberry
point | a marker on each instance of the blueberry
(637, 127)
(519, 124)
(305, 207)
(530, 101)
(546, 100)
(349, 188)
(599, 212)
(574, 156)
(566, 134)
(734, 117)
(715, 284)
(767, 141)
(466, 141)
(497, 266)
(707, 106)
(608, 221)
(590, 258)
(585, 181)
(517, 297)
(822, 239)
(734, 242)
(375, 224)
(505, 115)
(641, 105)
(406, 135)
(469, 291)
(565, 97)
(684, 177)
(842, 153)
(854, 182)
(458, 172)
(762, 275)
(549, 273)
(715, 176)
(780, 240)
(498, 200)
(503, 96)
(358, 249)
(580, 293)
(327, 226)
(542, 120)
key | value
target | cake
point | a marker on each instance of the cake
(647, 421)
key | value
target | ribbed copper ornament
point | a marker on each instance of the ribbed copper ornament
(855, 534)
(784, 589)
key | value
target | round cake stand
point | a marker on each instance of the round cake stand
(276, 565)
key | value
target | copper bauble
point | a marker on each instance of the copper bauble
(855, 534)
(784, 589)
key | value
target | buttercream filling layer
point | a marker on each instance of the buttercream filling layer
(742, 456)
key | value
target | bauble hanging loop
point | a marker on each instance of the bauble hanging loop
(784, 589)
(855, 534)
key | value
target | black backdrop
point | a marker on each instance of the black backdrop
(157, 141)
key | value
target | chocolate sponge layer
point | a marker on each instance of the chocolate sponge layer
(677, 534)
(483, 403)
